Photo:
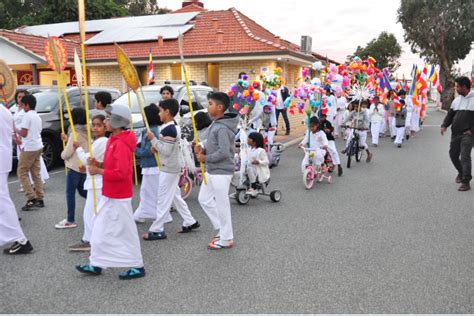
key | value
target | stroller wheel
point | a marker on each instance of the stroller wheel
(275, 196)
(242, 197)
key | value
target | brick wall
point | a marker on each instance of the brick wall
(106, 76)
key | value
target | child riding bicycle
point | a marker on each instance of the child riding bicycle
(358, 120)
(316, 143)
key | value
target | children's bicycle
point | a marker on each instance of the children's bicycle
(311, 173)
(354, 149)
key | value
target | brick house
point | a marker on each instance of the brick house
(218, 45)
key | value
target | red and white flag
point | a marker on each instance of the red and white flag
(151, 73)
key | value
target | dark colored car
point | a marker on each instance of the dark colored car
(48, 109)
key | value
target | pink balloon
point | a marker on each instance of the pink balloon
(379, 75)
(370, 71)
(345, 81)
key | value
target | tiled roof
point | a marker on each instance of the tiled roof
(36, 44)
(241, 36)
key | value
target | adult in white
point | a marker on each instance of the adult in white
(415, 119)
(332, 107)
(377, 115)
(341, 107)
(10, 229)
(18, 114)
(409, 108)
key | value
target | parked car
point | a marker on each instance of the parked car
(151, 94)
(48, 109)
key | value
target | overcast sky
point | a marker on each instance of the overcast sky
(336, 26)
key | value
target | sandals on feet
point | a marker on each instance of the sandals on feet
(217, 245)
(155, 236)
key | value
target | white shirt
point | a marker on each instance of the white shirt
(32, 122)
(341, 104)
(316, 140)
(376, 114)
(18, 117)
(332, 109)
(6, 132)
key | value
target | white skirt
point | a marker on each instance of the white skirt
(114, 241)
(10, 229)
(88, 215)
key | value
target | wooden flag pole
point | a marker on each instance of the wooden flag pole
(131, 126)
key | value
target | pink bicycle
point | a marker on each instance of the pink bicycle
(312, 173)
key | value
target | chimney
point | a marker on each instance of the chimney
(220, 37)
(277, 40)
(160, 41)
(190, 2)
(215, 23)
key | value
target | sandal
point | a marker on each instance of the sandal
(216, 245)
(88, 269)
(155, 236)
(133, 273)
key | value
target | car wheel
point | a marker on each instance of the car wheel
(49, 155)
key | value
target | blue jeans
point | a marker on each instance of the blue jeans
(74, 181)
(285, 117)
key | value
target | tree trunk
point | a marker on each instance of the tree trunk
(447, 83)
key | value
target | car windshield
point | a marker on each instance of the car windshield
(150, 97)
(46, 101)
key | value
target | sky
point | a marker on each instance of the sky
(337, 27)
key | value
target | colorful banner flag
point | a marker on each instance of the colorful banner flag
(151, 72)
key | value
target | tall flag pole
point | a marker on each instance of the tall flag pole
(151, 73)
(82, 31)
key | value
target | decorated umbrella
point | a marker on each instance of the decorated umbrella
(130, 75)
(7, 83)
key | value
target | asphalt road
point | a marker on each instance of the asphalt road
(392, 236)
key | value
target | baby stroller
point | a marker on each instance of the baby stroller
(241, 182)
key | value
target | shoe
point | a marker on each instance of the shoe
(64, 224)
(18, 249)
(375, 145)
(464, 187)
(369, 157)
(30, 205)
(344, 151)
(339, 170)
(399, 145)
(219, 244)
(155, 236)
(252, 192)
(88, 269)
(407, 137)
(287, 132)
(40, 203)
(187, 229)
(458, 179)
(82, 246)
(172, 209)
(133, 273)
(393, 137)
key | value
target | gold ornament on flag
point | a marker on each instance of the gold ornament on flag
(127, 69)
(55, 53)
(7, 83)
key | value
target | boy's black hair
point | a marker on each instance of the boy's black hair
(258, 139)
(377, 97)
(171, 105)
(313, 121)
(463, 82)
(364, 102)
(152, 114)
(402, 101)
(104, 97)
(322, 115)
(30, 100)
(203, 120)
(79, 116)
(100, 117)
(220, 98)
(402, 92)
(241, 74)
(167, 88)
(20, 91)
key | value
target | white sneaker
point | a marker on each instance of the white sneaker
(64, 224)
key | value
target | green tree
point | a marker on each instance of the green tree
(441, 31)
(385, 49)
(142, 7)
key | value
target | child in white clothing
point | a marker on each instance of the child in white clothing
(316, 141)
(257, 166)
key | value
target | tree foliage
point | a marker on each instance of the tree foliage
(385, 49)
(441, 31)
(16, 13)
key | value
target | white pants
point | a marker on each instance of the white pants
(400, 133)
(252, 173)
(408, 122)
(391, 125)
(10, 229)
(182, 208)
(415, 122)
(114, 241)
(148, 197)
(318, 159)
(166, 194)
(362, 139)
(375, 131)
(88, 215)
(333, 152)
(214, 200)
(338, 122)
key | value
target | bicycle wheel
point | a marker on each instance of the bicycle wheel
(308, 178)
(348, 160)
(358, 152)
(186, 187)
